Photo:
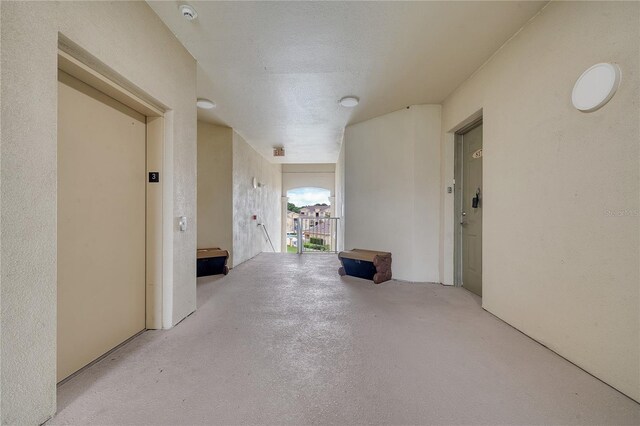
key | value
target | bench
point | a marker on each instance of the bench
(212, 261)
(367, 264)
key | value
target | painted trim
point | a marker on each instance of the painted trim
(82, 72)
(449, 216)
(158, 283)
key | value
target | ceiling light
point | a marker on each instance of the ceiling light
(205, 103)
(596, 86)
(349, 101)
(188, 12)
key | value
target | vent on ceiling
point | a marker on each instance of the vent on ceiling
(278, 152)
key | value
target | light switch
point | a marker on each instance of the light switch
(182, 223)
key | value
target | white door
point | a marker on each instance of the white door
(101, 224)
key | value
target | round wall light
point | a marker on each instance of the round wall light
(595, 87)
(205, 103)
(188, 12)
(349, 101)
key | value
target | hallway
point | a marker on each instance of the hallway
(284, 339)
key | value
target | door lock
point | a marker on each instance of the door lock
(475, 201)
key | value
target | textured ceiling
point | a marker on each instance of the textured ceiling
(277, 69)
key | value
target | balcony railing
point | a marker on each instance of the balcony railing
(316, 234)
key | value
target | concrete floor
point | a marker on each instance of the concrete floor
(284, 339)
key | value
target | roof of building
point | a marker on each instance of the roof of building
(316, 208)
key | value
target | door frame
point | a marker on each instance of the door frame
(458, 193)
(155, 277)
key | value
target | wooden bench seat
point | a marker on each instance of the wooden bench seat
(212, 261)
(367, 264)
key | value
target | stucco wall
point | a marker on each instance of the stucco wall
(265, 202)
(133, 42)
(392, 197)
(1, 210)
(339, 197)
(215, 187)
(561, 237)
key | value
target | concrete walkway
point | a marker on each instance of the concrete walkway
(284, 339)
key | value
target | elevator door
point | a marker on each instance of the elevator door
(101, 224)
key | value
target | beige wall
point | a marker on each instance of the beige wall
(339, 197)
(215, 187)
(131, 40)
(265, 202)
(557, 265)
(391, 195)
(227, 165)
(1, 208)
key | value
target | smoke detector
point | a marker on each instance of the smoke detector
(188, 12)
(203, 103)
(278, 152)
(349, 101)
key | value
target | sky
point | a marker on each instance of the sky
(308, 196)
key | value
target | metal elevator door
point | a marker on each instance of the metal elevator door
(101, 224)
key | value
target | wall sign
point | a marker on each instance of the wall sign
(154, 177)
(477, 154)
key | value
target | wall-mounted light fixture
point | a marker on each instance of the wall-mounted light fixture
(256, 184)
(596, 86)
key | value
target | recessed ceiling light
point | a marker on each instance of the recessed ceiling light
(188, 12)
(205, 103)
(349, 101)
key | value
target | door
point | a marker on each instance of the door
(470, 162)
(101, 224)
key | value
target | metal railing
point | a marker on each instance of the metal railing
(266, 233)
(316, 234)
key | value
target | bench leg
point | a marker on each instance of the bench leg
(383, 269)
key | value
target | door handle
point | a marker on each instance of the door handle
(463, 214)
